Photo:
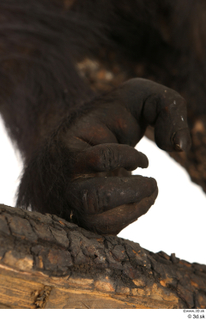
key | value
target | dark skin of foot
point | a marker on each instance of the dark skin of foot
(97, 190)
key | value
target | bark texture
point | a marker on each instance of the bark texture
(47, 262)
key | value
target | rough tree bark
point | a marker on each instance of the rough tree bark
(47, 262)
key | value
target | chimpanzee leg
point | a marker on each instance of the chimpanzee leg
(56, 120)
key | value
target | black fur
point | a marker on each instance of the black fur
(41, 42)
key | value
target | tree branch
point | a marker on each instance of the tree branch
(47, 262)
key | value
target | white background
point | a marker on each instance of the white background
(175, 224)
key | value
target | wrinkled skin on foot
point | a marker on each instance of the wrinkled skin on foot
(85, 165)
